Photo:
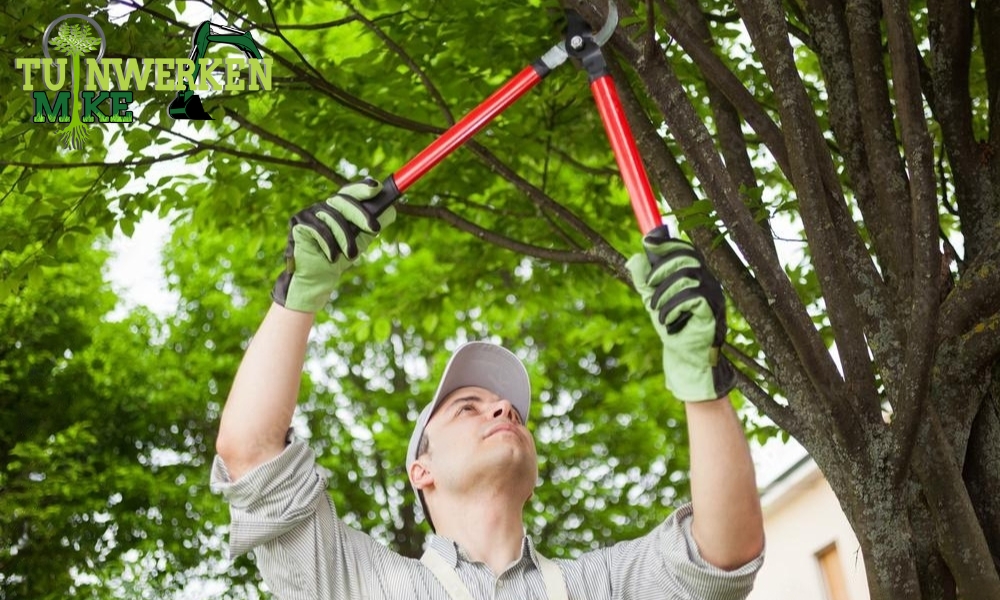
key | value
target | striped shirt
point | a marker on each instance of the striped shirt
(305, 552)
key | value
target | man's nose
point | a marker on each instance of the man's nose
(505, 410)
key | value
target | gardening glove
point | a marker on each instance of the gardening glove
(688, 310)
(323, 240)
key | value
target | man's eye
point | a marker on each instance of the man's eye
(466, 407)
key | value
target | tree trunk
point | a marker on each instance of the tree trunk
(934, 534)
(878, 514)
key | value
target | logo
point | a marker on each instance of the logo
(103, 88)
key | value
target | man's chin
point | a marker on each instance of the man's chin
(514, 461)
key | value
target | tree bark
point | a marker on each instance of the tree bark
(982, 467)
(959, 535)
(879, 516)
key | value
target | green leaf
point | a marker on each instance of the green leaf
(430, 322)
(382, 328)
(127, 226)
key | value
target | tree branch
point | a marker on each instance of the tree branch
(729, 84)
(25, 172)
(201, 145)
(751, 299)
(609, 257)
(689, 131)
(974, 295)
(824, 216)
(729, 129)
(924, 294)
(556, 227)
(988, 18)
(880, 293)
(885, 167)
(310, 159)
(751, 364)
(960, 536)
(833, 48)
(443, 214)
(596, 171)
(951, 41)
(781, 415)
(317, 81)
(128, 165)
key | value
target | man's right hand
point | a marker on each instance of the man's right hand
(323, 240)
(688, 309)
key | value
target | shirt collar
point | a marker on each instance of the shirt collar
(453, 553)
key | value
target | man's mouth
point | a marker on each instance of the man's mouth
(501, 428)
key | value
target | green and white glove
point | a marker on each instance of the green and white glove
(688, 310)
(323, 241)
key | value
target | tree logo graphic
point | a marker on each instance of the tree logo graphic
(75, 40)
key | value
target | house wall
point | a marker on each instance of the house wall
(802, 517)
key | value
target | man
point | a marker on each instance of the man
(471, 459)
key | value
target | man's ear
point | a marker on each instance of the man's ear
(420, 475)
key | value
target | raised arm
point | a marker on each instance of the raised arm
(322, 241)
(262, 400)
(728, 525)
(688, 310)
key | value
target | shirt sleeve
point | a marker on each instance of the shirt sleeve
(282, 511)
(666, 563)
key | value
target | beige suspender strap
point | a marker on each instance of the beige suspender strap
(555, 586)
(447, 575)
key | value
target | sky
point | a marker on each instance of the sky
(135, 270)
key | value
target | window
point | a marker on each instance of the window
(833, 573)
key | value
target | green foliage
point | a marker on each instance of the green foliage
(104, 441)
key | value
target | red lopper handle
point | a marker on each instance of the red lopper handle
(633, 173)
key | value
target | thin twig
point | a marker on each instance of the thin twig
(431, 88)
(24, 173)
(135, 163)
(277, 140)
(443, 214)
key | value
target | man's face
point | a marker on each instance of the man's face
(475, 438)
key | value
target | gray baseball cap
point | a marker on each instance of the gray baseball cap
(481, 364)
